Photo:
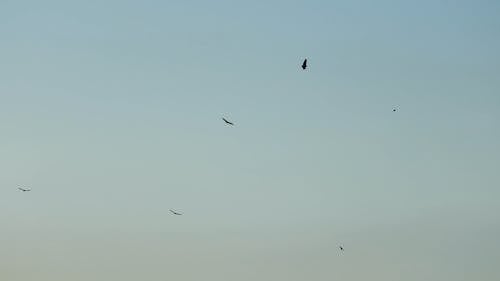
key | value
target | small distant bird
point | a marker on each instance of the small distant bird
(23, 189)
(228, 122)
(175, 213)
(304, 64)
(394, 110)
(341, 248)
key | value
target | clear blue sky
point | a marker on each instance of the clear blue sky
(111, 112)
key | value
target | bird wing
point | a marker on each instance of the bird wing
(228, 122)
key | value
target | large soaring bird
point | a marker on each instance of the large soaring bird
(175, 213)
(228, 122)
(304, 64)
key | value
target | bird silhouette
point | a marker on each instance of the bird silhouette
(304, 64)
(341, 248)
(228, 122)
(394, 110)
(175, 213)
(23, 189)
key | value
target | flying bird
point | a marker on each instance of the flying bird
(23, 189)
(228, 122)
(175, 213)
(304, 64)
(394, 110)
(341, 248)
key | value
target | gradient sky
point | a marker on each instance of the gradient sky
(111, 112)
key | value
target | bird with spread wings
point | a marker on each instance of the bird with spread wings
(227, 121)
(175, 213)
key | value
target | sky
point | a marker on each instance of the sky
(110, 111)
